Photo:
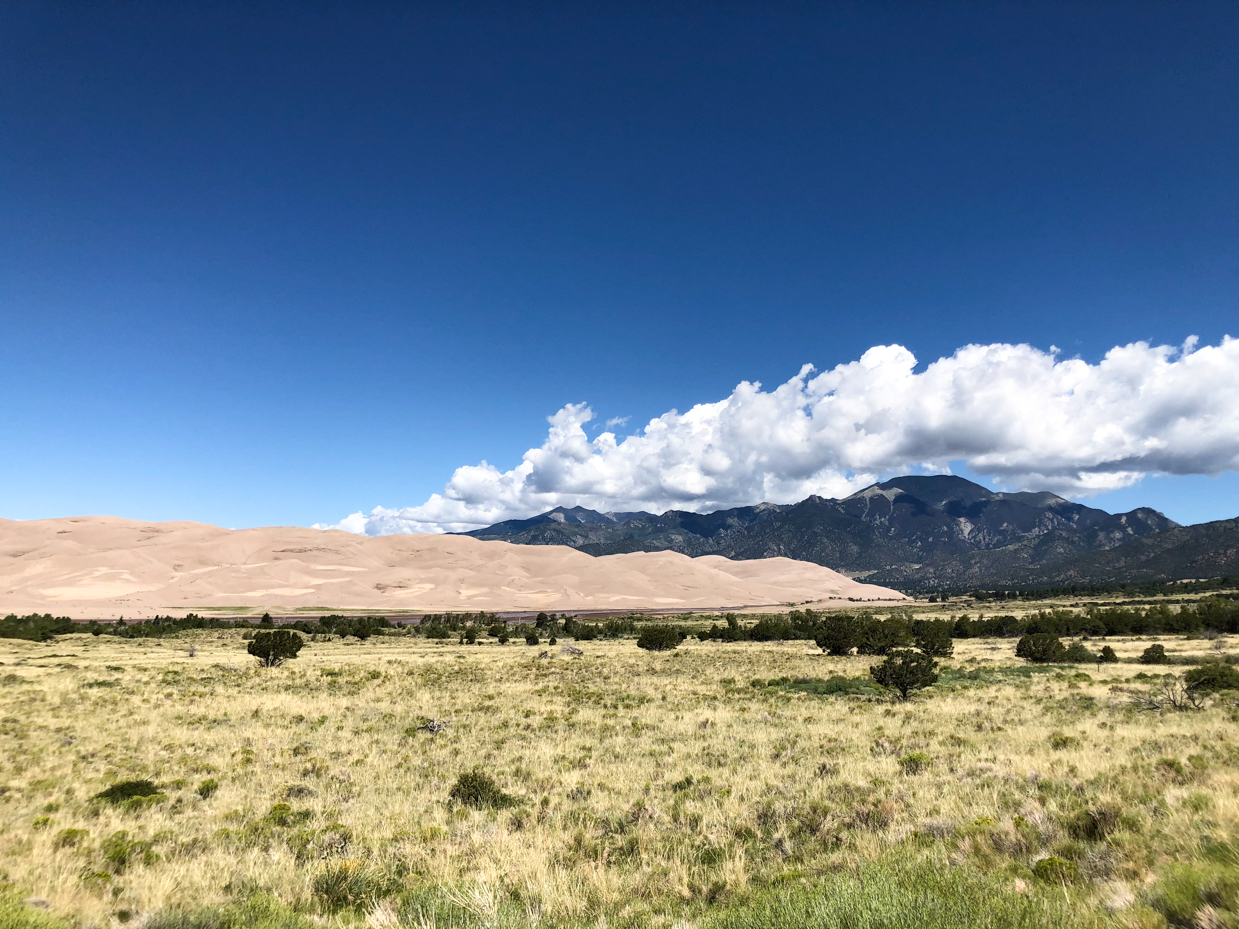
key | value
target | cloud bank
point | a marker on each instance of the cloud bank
(1020, 416)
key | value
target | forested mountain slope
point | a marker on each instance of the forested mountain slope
(912, 532)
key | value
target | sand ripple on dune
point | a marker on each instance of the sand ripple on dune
(103, 567)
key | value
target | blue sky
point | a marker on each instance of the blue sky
(266, 264)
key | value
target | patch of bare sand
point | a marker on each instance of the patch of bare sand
(103, 567)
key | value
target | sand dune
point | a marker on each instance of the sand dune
(103, 567)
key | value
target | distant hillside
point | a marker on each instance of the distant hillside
(909, 532)
(1182, 553)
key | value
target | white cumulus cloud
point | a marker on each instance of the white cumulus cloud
(1025, 418)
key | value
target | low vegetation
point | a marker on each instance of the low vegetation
(398, 778)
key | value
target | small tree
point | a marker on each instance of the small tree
(905, 671)
(658, 638)
(882, 636)
(1040, 648)
(933, 637)
(274, 648)
(531, 638)
(840, 633)
(1107, 656)
(1155, 654)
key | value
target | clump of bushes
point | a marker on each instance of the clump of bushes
(70, 838)
(35, 627)
(275, 647)
(905, 672)
(1212, 677)
(478, 790)
(1054, 870)
(1041, 648)
(1155, 654)
(531, 638)
(915, 763)
(1060, 741)
(1094, 823)
(351, 884)
(131, 794)
(207, 788)
(1078, 653)
(836, 685)
(659, 638)
(120, 850)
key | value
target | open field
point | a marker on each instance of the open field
(646, 789)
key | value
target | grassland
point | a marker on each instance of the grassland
(712, 786)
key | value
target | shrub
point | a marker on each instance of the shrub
(70, 838)
(1054, 870)
(1040, 648)
(1060, 741)
(283, 816)
(120, 851)
(531, 638)
(1078, 653)
(350, 884)
(127, 790)
(658, 638)
(905, 672)
(478, 790)
(915, 763)
(835, 685)
(1212, 677)
(207, 788)
(274, 648)
(1107, 655)
(1093, 824)
(933, 637)
(1154, 654)
(1173, 768)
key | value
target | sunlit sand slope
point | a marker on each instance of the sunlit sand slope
(101, 566)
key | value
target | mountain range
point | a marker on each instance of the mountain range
(915, 532)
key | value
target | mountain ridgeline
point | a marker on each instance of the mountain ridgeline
(915, 533)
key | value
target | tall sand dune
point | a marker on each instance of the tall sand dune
(104, 567)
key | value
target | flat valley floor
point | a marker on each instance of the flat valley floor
(721, 784)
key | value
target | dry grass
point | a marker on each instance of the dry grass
(653, 788)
